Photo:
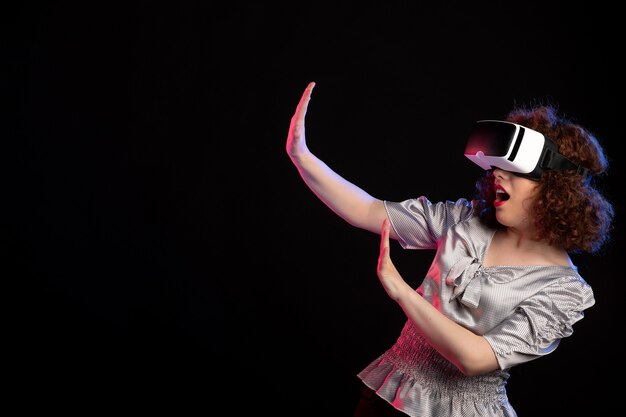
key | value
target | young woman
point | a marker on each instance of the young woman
(502, 289)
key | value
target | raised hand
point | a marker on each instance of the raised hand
(389, 276)
(296, 138)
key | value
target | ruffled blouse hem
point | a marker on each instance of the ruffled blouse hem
(415, 399)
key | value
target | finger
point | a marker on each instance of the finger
(384, 242)
(304, 102)
(384, 234)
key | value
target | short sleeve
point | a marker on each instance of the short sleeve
(540, 322)
(419, 223)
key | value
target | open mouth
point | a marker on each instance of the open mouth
(501, 195)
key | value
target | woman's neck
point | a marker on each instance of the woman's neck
(512, 247)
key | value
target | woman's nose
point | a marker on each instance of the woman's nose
(498, 173)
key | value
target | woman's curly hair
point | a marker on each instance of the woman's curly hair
(569, 210)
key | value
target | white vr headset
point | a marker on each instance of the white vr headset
(515, 148)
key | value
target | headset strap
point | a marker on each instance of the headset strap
(551, 159)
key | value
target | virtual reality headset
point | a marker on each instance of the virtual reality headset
(515, 148)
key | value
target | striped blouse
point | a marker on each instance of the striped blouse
(522, 311)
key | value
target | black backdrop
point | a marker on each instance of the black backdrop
(170, 255)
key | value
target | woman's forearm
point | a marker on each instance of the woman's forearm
(347, 200)
(469, 352)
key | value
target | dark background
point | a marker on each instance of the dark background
(169, 256)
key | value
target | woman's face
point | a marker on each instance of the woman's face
(514, 197)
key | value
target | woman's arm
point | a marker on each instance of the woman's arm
(348, 201)
(469, 352)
